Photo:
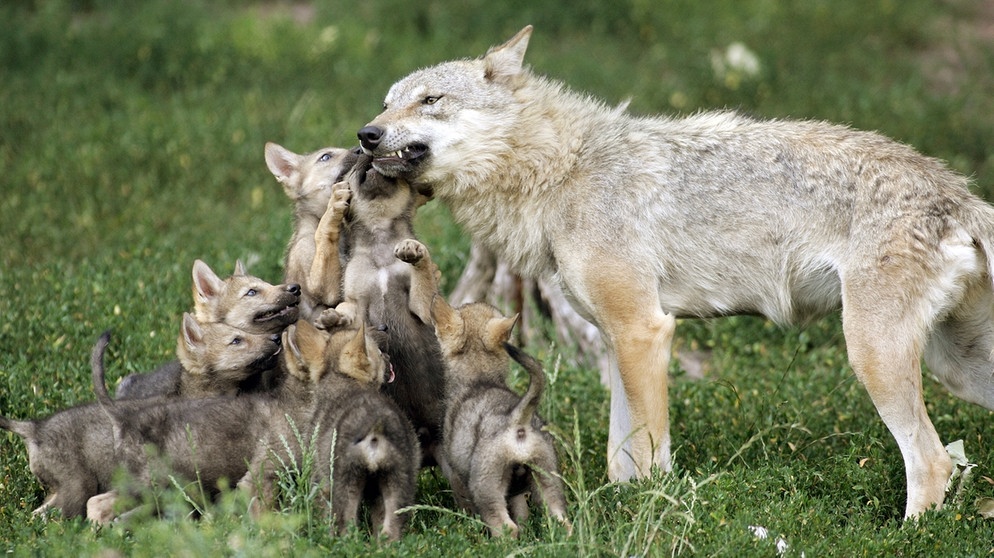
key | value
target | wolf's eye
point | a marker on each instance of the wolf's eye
(236, 341)
(432, 99)
(324, 158)
(251, 292)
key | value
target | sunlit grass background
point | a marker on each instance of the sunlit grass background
(131, 141)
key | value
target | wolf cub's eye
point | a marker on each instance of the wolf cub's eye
(432, 99)
(251, 292)
(236, 341)
(324, 158)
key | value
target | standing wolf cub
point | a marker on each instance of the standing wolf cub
(646, 219)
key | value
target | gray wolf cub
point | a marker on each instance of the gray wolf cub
(495, 448)
(374, 447)
(313, 182)
(72, 452)
(646, 219)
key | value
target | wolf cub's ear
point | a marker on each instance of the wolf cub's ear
(206, 284)
(503, 62)
(191, 335)
(449, 325)
(354, 360)
(283, 163)
(498, 332)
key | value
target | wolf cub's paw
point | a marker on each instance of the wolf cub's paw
(339, 201)
(410, 251)
(330, 318)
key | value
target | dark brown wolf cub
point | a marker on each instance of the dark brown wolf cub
(380, 214)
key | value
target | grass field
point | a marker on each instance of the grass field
(131, 143)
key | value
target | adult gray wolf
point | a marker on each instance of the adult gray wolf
(646, 219)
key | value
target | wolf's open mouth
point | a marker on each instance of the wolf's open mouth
(283, 312)
(401, 160)
(409, 153)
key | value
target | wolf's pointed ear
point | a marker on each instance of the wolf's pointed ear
(239, 268)
(354, 360)
(282, 162)
(193, 334)
(449, 325)
(206, 285)
(310, 344)
(499, 332)
(505, 61)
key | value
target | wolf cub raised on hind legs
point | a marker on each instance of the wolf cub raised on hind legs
(313, 258)
(380, 214)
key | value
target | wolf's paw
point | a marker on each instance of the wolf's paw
(100, 508)
(339, 201)
(330, 318)
(410, 251)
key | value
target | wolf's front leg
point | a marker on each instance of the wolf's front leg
(424, 276)
(626, 309)
(325, 277)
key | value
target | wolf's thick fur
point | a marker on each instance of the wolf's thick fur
(494, 443)
(313, 182)
(645, 219)
(235, 319)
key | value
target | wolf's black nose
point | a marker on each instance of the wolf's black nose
(370, 136)
(276, 338)
(293, 289)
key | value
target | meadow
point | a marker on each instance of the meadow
(131, 143)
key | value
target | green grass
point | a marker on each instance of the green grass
(131, 143)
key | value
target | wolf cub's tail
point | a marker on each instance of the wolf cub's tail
(99, 383)
(522, 414)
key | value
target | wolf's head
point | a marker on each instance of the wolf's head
(379, 200)
(309, 179)
(243, 301)
(223, 355)
(450, 118)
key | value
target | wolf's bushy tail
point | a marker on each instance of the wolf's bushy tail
(523, 412)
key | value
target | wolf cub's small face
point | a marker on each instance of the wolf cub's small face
(243, 301)
(224, 351)
(309, 179)
(378, 199)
